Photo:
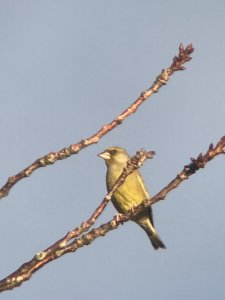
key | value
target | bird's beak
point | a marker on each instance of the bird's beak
(105, 155)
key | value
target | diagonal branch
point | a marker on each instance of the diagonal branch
(58, 249)
(52, 157)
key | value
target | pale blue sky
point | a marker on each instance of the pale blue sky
(67, 68)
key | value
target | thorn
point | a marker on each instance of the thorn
(211, 146)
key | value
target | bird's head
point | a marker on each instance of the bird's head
(115, 156)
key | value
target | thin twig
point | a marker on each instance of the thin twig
(40, 259)
(52, 157)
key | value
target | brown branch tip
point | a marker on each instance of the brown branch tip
(183, 57)
(201, 160)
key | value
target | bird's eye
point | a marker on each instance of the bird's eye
(113, 152)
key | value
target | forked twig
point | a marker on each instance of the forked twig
(62, 246)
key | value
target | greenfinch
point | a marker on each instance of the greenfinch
(131, 193)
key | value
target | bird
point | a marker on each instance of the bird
(131, 193)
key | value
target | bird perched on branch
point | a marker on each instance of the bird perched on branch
(131, 193)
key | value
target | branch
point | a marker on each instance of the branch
(60, 248)
(52, 157)
(55, 250)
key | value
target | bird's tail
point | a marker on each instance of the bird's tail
(152, 234)
(155, 240)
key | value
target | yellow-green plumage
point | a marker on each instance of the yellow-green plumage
(131, 193)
